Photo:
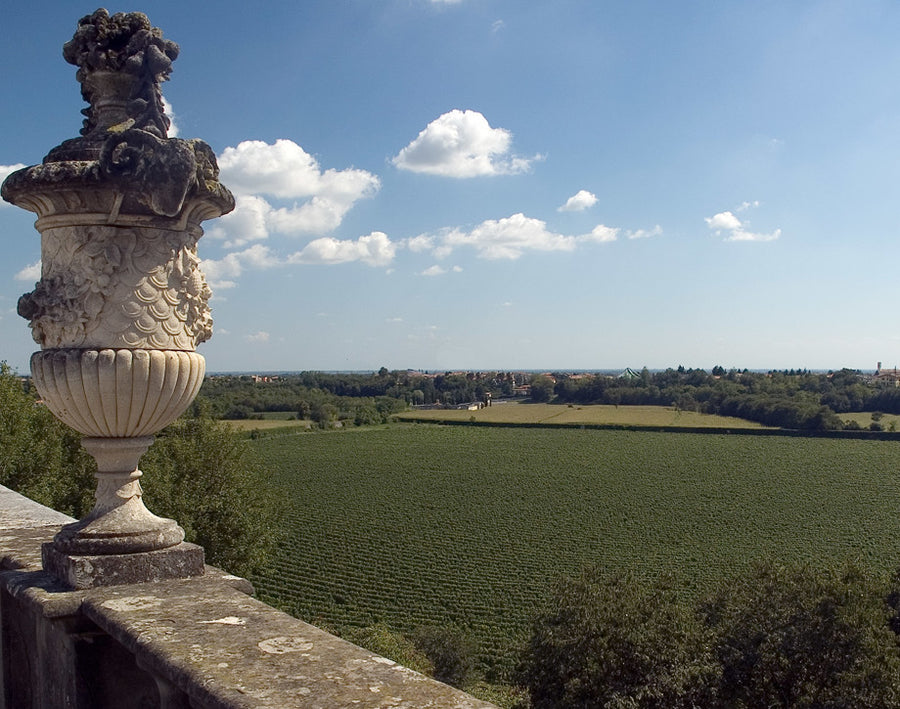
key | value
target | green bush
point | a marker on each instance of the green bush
(380, 639)
(448, 650)
(612, 641)
(197, 472)
(773, 637)
(39, 456)
(802, 637)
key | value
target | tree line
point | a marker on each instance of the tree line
(796, 399)
(361, 398)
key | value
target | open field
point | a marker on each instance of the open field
(267, 424)
(609, 415)
(416, 524)
(864, 418)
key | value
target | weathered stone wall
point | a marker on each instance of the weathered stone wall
(200, 642)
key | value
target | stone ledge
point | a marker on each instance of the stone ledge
(226, 650)
(208, 639)
(20, 512)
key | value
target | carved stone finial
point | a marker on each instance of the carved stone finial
(122, 303)
(127, 46)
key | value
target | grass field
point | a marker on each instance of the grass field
(865, 418)
(267, 424)
(418, 525)
(595, 415)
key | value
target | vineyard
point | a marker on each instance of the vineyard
(419, 525)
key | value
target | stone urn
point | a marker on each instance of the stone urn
(121, 304)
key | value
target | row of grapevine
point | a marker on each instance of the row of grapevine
(425, 525)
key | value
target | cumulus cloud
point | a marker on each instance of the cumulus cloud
(437, 270)
(645, 233)
(376, 249)
(31, 272)
(170, 112)
(723, 221)
(259, 173)
(461, 144)
(578, 202)
(509, 238)
(600, 234)
(220, 273)
(733, 229)
(259, 337)
(422, 242)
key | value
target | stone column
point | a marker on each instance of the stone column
(122, 304)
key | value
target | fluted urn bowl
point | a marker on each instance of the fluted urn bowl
(117, 393)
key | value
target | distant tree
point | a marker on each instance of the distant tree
(324, 414)
(541, 388)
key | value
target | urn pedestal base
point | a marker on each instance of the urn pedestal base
(89, 571)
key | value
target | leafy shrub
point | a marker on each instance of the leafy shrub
(774, 637)
(611, 641)
(449, 652)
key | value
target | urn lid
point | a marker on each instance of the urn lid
(123, 161)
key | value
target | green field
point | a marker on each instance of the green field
(419, 524)
(600, 414)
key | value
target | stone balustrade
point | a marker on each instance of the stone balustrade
(200, 642)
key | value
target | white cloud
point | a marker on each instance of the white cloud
(170, 112)
(497, 25)
(31, 272)
(734, 229)
(510, 237)
(420, 243)
(461, 144)
(742, 235)
(580, 201)
(434, 271)
(220, 273)
(248, 222)
(645, 233)
(723, 221)
(601, 234)
(376, 249)
(258, 337)
(284, 171)
(746, 205)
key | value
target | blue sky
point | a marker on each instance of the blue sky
(505, 184)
